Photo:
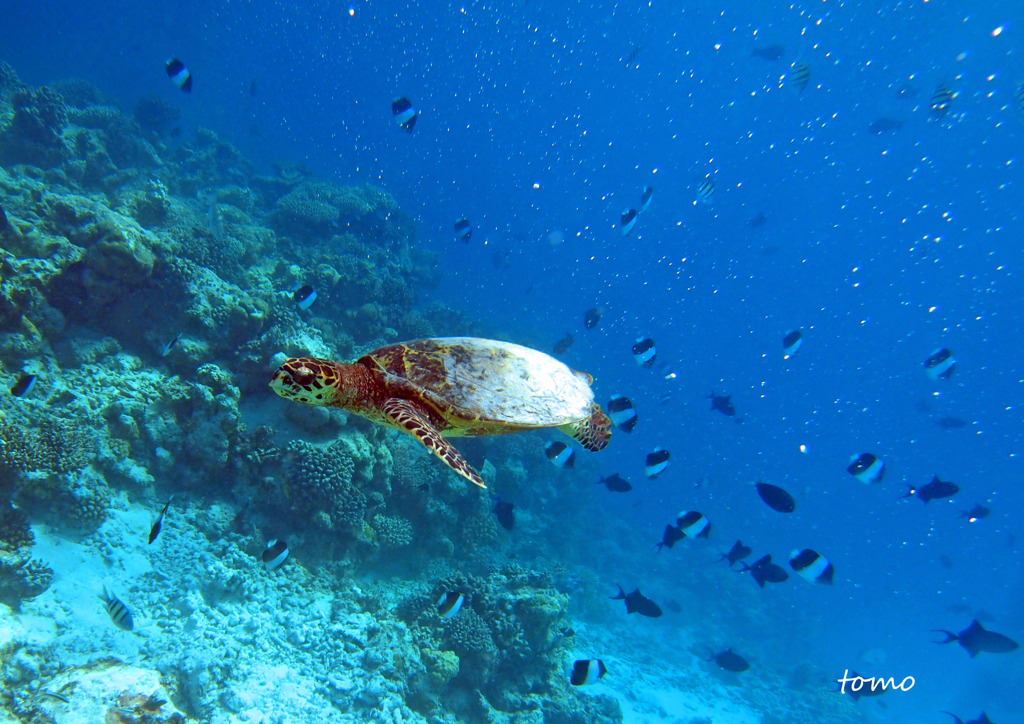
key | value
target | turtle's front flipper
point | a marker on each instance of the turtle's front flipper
(592, 433)
(405, 416)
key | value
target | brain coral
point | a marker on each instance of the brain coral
(56, 446)
(392, 531)
(319, 479)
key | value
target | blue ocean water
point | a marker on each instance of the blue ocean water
(542, 122)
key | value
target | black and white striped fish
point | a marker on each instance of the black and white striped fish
(117, 611)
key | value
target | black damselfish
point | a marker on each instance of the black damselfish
(636, 602)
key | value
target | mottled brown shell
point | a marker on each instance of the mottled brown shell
(483, 383)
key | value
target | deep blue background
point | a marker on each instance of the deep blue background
(882, 248)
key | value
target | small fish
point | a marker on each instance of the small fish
(622, 413)
(693, 524)
(935, 490)
(628, 220)
(656, 462)
(179, 74)
(729, 660)
(405, 115)
(274, 554)
(155, 530)
(670, 537)
(951, 423)
(450, 603)
(867, 468)
(645, 198)
(592, 317)
(946, 562)
(58, 697)
(775, 497)
(587, 671)
(706, 191)
(757, 220)
(636, 602)
(983, 719)
(976, 640)
(304, 297)
(865, 689)
(941, 100)
(799, 76)
(722, 403)
(764, 571)
(616, 483)
(564, 343)
(560, 454)
(791, 343)
(1018, 96)
(768, 52)
(883, 125)
(737, 553)
(940, 364)
(674, 606)
(166, 347)
(812, 566)
(463, 230)
(644, 352)
(505, 511)
(633, 55)
(117, 611)
(23, 385)
(976, 513)
(215, 219)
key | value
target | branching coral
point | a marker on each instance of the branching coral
(22, 577)
(319, 480)
(392, 531)
(57, 447)
(15, 532)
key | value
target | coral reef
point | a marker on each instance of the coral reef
(36, 131)
(22, 578)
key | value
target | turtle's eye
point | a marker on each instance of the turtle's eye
(303, 376)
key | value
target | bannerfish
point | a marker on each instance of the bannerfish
(764, 571)
(883, 124)
(622, 413)
(737, 553)
(636, 602)
(940, 364)
(983, 719)
(935, 490)
(645, 198)
(975, 640)
(976, 513)
(564, 343)
(791, 343)
(587, 671)
(628, 220)
(23, 385)
(463, 230)
(776, 498)
(729, 660)
(616, 483)
(304, 297)
(505, 511)
(274, 554)
(450, 603)
(117, 611)
(799, 76)
(656, 462)
(644, 352)
(866, 467)
(941, 100)
(155, 530)
(560, 454)
(670, 537)
(693, 524)
(951, 423)
(722, 403)
(768, 52)
(705, 192)
(179, 74)
(405, 115)
(812, 566)
(592, 317)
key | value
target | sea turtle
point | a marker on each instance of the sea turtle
(454, 386)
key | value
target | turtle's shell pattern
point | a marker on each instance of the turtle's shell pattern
(483, 384)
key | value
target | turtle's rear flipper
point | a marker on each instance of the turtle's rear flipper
(405, 416)
(592, 433)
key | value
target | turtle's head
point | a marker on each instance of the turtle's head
(311, 380)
